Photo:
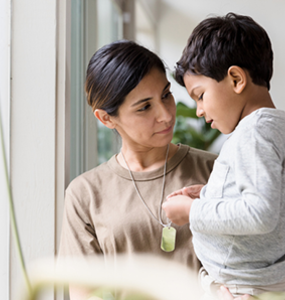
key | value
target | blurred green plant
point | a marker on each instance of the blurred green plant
(191, 130)
(271, 296)
(13, 221)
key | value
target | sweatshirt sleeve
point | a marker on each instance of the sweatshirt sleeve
(78, 236)
(244, 195)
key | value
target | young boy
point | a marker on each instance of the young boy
(238, 223)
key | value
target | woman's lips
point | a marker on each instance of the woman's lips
(167, 130)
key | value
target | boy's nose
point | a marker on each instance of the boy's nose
(200, 112)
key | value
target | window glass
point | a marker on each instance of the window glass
(93, 24)
(110, 28)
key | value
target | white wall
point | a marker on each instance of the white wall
(179, 17)
(33, 130)
(147, 16)
(33, 111)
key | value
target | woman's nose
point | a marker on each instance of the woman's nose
(163, 114)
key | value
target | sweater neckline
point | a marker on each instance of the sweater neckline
(149, 175)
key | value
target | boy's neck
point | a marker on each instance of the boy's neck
(257, 97)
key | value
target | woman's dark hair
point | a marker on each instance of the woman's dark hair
(115, 70)
(218, 43)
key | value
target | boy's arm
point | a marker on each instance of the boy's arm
(257, 168)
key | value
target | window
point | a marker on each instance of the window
(94, 24)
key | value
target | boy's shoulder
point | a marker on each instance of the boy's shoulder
(270, 116)
(263, 125)
(270, 112)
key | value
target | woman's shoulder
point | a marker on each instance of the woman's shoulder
(195, 153)
(196, 165)
(90, 180)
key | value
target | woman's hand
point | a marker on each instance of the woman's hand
(177, 209)
(192, 191)
(224, 294)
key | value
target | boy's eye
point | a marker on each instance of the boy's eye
(167, 95)
(144, 108)
(201, 97)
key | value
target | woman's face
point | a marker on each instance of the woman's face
(147, 116)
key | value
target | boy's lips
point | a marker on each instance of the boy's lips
(210, 121)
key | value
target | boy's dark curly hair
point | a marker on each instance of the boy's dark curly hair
(218, 43)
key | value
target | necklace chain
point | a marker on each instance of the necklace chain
(159, 220)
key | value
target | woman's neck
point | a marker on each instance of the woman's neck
(147, 159)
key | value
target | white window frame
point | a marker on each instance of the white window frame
(34, 103)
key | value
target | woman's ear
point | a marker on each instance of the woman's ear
(238, 77)
(104, 118)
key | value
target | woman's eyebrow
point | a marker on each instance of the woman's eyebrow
(141, 101)
(166, 87)
(147, 99)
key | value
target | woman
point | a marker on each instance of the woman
(116, 207)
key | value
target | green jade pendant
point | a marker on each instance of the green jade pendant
(168, 239)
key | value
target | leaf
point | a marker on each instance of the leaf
(185, 111)
(199, 135)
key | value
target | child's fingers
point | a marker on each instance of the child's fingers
(190, 191)
(244, 297)
(185, 192)
(224, 294)
(176, 193)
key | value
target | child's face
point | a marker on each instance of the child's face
(216, 101)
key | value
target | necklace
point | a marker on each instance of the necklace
(168, 232)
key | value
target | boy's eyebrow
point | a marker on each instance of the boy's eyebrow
(146, 99)
(192, 91)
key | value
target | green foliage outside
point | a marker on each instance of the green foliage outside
(199, 135)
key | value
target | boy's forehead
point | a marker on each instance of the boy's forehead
(192, 81)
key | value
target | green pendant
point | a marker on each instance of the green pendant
(168, 239)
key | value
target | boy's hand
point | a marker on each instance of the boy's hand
(177, 209)
(192, 191)
(224, 294)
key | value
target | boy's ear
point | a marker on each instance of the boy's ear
(238, 78)
(104, 118)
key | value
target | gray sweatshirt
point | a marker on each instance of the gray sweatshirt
(238, 224)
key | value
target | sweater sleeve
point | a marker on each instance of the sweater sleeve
(250, 202)
(78, 236)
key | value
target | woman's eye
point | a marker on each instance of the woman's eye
(201, 97)
(144, 108)
(167, 95)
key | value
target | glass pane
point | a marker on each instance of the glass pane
(83, 140)
(110, 26)
(77, 94)
(94, 23)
